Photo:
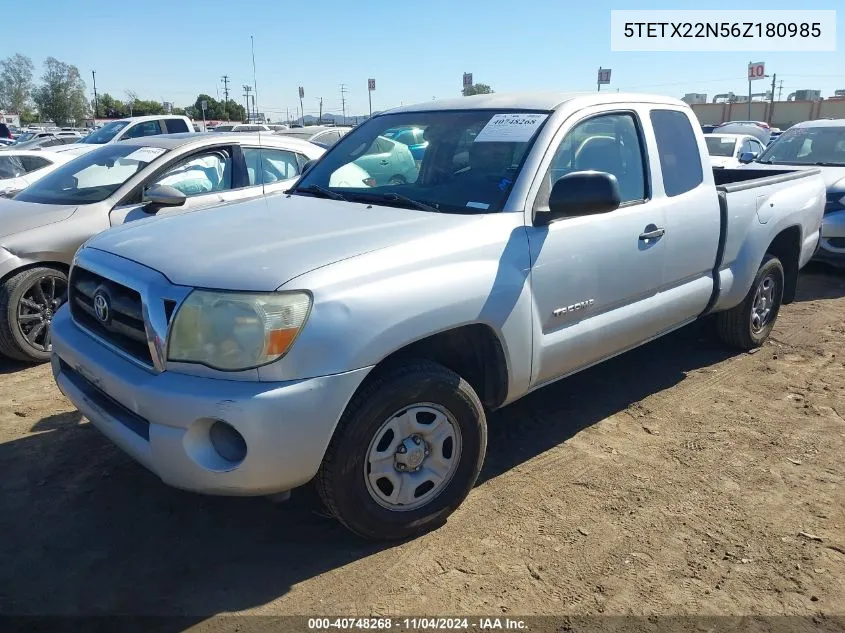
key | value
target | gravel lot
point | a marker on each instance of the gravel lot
(680, 478)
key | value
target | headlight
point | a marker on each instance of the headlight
(234, 331)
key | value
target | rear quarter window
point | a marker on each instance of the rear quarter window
(680, 159)
(174, 126)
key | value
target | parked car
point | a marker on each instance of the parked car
(413, 137)
(818, 144)
(47, 140)
(707, 129)
(725, 149)
(20, 168)
(42, 227)
(758, 129)
(323, 135)
(138, 127)
(6, 142)
(358, 337)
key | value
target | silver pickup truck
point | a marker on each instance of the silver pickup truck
(356, 337)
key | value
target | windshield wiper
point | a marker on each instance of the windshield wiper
(322, 191)
(396, 197)
(422, 206)
(829, 164)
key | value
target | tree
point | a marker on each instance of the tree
(15, 83)
(216, 110)
(61, 97)
(477, 89)
(111, 108)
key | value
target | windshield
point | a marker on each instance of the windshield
(720, 146)
(11, 167)
(470, 161)
(224, 128)
(808, 146)
(92, 177)
(105, 133)
(25, 137)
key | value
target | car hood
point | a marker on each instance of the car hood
(261, 244)
(17, 217)
(721, 161)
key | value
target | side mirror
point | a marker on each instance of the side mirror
(163, 196)
(747, 157)
(581, 193)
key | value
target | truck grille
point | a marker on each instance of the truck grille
(110, 311)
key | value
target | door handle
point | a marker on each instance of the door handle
(652, 233)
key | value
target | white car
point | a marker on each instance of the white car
(388, 162)
(21, 168)
(139, 126)
(726, 149)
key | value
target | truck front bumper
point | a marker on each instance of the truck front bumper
(166, 421)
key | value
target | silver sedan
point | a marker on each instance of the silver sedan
(42, 227)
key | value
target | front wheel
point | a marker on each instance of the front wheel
(28, 302)
(749, 324)
(406, 452)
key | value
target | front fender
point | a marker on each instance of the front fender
(359, 321)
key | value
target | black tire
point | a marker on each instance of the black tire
(341, 482)
(735, 326)
(13, 340)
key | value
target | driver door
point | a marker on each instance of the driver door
(204, 177)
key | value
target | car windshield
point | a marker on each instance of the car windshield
(92, 177)
(25, 137)
(469, 164)
(224, 128)
(105, 133)
(808, 146)
(720, 145)
(11, 167)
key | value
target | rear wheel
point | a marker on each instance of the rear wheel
(406, 453)
(28, 302)
(749, 324)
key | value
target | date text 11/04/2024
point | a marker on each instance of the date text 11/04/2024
(417, 624)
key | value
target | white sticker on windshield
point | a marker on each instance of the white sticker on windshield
(478, 205)
(146, 154)
(510, 128)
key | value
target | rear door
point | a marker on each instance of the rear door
(272, 169)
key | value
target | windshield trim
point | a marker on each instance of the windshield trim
(500, 205)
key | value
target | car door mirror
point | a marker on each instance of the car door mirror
(581, 193)
(747, 157)
(158, 196)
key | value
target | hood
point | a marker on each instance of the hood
(830, 175)
(722, 161)
(262, 243)
(17, 217)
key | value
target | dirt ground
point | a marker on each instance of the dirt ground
(680, 478)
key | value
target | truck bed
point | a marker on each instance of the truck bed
(730, 180)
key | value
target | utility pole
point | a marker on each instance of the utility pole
(225, 79)
(287, 115)
(343, 92)
(320, 120)
(254, 84)
(780, 89)
(749, 92)
(96, 103)
(247, 89)
(772, 99)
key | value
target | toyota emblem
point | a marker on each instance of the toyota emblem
(101, 306)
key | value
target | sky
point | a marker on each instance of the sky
(416, 50)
